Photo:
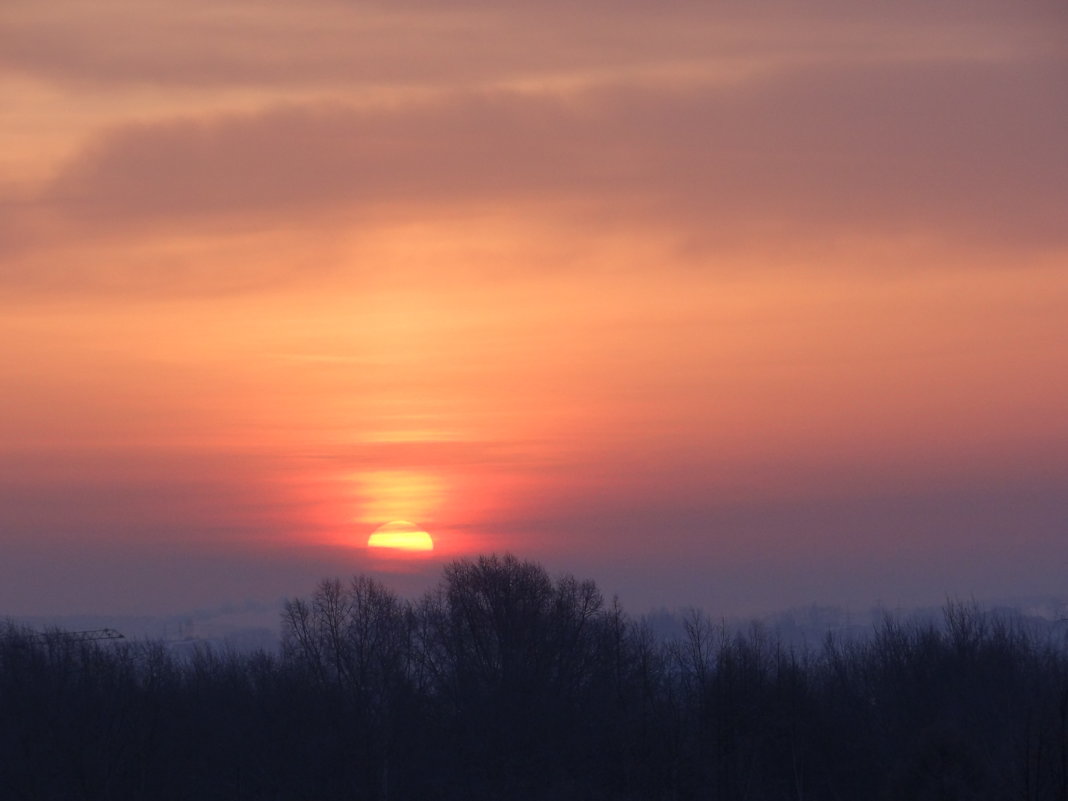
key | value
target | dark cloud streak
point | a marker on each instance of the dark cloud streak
(975, 152)
(328, 43)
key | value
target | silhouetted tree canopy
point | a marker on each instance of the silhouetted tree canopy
(505, 682)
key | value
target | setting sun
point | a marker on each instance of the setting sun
(400, 535)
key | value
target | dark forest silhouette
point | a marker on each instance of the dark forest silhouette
(507, 683)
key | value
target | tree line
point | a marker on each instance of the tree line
(504, 682)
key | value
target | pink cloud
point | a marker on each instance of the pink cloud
(940, 150)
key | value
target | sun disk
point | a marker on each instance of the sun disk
(400, 535)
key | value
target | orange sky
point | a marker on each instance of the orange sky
(720, 306)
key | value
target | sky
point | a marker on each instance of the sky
(738, 306)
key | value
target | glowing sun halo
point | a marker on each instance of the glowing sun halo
(402, 536)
